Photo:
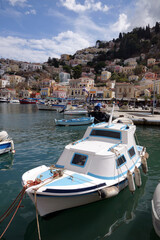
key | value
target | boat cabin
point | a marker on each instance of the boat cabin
(105, 152)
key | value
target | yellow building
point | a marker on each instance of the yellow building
(105, 75)
(45, 92)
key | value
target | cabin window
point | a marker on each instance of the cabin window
(131, 152)
(106, 133)
(79, 159)
(121, 160)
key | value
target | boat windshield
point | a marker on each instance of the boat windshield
(105, 133)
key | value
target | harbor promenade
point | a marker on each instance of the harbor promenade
(139, 117)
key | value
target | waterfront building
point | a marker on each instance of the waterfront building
(124, 90)
(45, 92)
(80, 87)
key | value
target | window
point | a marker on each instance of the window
(106, 133)
(121, 160)
(79, 159)
(131, 152)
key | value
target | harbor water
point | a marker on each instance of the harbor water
(38, 141)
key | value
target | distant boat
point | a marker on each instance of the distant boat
(28, 101)
(52, 105)
(76, 111)
(3, 99)
(14, 101)
(6, 143)
(75, 121)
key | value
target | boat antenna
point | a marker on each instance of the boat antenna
(111, 115)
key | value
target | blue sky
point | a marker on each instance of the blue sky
(33, 30)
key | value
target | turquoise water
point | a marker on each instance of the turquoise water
(37, 141)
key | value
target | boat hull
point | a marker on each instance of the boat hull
(48, 204)
(74, 122)
(155, 203)
(5, 147)
(68, 112)
(50, 107)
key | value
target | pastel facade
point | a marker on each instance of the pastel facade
(124, 90)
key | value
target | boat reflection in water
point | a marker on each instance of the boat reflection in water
(98, 220)
(6, 161)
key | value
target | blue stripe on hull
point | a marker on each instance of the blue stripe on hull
(74, 190)
(5, 145)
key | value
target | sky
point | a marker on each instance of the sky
(34, 30)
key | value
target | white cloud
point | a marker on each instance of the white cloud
(32, 11)
(88, 5)
(146, 12)
(121, 25)
(17, 2)
(39, 50)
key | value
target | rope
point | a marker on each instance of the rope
(38, 228)
(18, 206)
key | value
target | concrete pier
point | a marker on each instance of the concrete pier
(140, 118)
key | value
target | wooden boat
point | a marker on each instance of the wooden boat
(96, 167)
(75, 121)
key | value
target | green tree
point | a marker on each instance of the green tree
(67, 68)
(77, 71)
(157, 28)
(98, 67)
(138, 70)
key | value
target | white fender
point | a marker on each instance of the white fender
(137, 175)
(131, 183)
(108, 192)
(144, 164)
(12, 147)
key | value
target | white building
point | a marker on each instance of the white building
(64, 78)
(4, 83)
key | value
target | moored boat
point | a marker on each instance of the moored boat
(3, 100)
(96, 167)
(6, 143)
(14, 101)
(74, 121)
(52, 105)
(28, 101)
(156, 210)
(76, 111)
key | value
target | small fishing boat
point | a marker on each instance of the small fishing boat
(76, 111)
(14, 101)
(98, 166)
(6, 143)
(156, 210)
(74, 121)
(52, 105)
(28, 101)
(3, 100)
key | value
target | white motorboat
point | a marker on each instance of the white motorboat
(156, 210)
(96, 167)
(6, 143)
(51, 105)
(14, 101)
(3, 100)
(74, 121)
(76, 111)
